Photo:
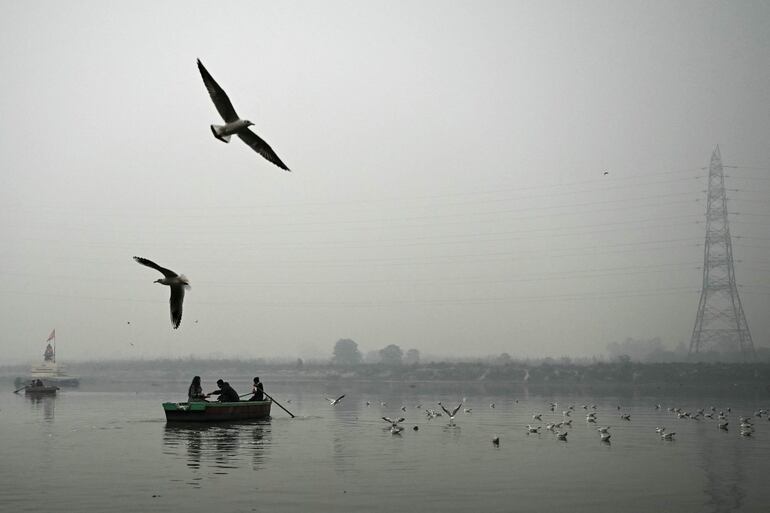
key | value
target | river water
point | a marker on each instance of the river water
(108, 448)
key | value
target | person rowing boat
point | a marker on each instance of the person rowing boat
(258, 390)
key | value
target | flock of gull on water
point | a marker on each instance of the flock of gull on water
(559, 429)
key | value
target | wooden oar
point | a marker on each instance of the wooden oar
(276, 402)
(279, 404)
(17, 390)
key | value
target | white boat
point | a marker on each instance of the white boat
(53, 373)
(49, 371)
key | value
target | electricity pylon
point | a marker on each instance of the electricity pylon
(720, 323)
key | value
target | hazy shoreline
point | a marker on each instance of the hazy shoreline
(649, 376)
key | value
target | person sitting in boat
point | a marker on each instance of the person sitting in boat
(37, 383)
(195, 392)
(257, 390)
(226, 393)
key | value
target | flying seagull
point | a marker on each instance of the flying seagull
(452, 413)
(177, 283)
(393, 422)
(234, 125)
(334, 402)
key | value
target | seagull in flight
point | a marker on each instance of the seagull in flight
(177, 282)
(234, 125)
(452, 413)
(334, 402)
(394, 423)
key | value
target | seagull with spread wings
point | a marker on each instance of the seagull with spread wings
(334, 402)
(452, 413)
(234, 125)
(394, 423)
(176, 282)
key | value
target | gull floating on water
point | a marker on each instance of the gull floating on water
(334, 402)
(234, 125)
(561, 435)
(176, 282)
(667, 435)
(605, 437)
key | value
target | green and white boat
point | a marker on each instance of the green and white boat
(204, 411)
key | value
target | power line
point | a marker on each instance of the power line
(617, 294)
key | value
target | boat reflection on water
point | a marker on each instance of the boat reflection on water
(218, 447)
(46, 403)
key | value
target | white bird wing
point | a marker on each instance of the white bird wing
(338, 399)
(259, 145)
(177, 297)
(388, 419)
(168, 273)
(457, 409)
(401, 419)
(445, 410)
(218, 95)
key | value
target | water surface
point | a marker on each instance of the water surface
(102, 448)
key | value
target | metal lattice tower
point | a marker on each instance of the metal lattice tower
(720, 323)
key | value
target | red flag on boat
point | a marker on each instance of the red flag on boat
(51, 336)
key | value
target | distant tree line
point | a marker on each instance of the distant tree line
(346, 353)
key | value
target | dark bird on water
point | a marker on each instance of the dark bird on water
(234, 125)
(177, 282)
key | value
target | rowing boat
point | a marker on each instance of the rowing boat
(203, 411)
(40, 389)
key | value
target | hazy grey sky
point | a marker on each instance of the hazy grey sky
(448, 190)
